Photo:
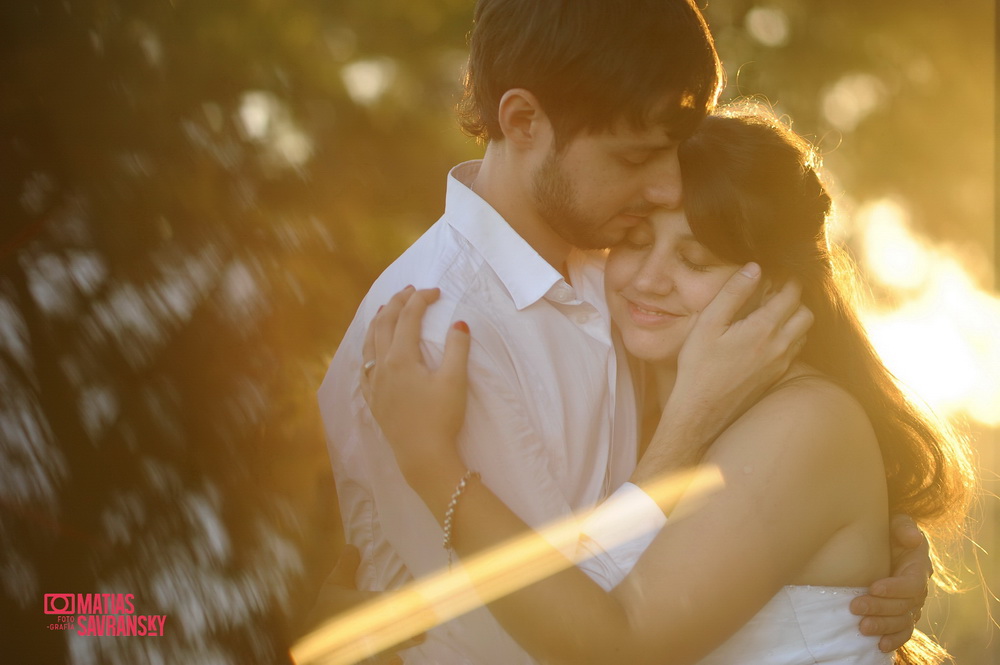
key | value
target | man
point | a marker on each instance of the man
(582, 105)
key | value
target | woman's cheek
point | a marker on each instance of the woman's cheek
(711, 288)
(695, 289)
(617, 270)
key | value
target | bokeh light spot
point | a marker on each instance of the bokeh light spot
(367, 80)
(768, 25)
(851, 99)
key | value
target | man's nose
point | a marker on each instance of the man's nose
(663, 182)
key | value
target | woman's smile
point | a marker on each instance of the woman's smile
(646, 315)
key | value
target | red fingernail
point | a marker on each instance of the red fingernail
(462, 326)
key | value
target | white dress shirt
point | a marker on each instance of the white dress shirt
(551, 421)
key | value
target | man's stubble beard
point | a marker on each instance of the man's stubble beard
(554, 200)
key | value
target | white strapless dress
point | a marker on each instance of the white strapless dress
(801, 625)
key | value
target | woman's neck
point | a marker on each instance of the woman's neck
(664, 376)
(658, 382)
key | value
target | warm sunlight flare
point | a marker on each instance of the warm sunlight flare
(400, 615)
(943, 338)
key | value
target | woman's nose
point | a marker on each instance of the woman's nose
(653, 276)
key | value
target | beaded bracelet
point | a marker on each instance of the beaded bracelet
(449, 513)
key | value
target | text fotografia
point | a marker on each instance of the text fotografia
(102, 614)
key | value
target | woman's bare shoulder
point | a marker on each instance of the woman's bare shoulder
(809, 416)
(810, 393)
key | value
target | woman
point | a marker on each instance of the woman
(811, 471)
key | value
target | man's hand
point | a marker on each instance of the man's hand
(893, 605)
(340, 593)
(725, 365)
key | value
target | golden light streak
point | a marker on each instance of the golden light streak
(399, 615)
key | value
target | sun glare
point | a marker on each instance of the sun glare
(943, 338)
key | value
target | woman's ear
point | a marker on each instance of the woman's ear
(522, 119)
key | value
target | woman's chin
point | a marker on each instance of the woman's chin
(652, 345)
(652, 353)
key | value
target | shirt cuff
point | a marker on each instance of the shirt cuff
(616, 533)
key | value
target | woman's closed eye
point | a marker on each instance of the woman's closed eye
(698, 258)
(694, 265)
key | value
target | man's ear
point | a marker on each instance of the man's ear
(523, 121)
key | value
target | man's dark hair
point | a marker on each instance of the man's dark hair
(591, 63)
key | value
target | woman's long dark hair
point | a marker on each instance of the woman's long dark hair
(753, 192)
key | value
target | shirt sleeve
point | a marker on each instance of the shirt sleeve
(616, 533)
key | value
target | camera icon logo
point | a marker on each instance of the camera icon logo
(60, 603)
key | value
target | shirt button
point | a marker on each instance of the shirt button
(581, 318)
(561, 295)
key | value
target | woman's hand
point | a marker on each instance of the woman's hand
(728, 362)
(420, 410)
(725, 365)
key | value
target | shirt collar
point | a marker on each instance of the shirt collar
(525, 274)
